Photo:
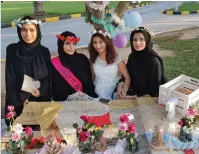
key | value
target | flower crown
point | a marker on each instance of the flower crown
(20, 22)
(144, 29)
(68, 38)
(105, 33)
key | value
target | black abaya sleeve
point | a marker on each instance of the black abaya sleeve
(46, 82)
(11, 87)
(155, 76)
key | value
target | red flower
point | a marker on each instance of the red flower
(84, 117)
(180, 123)
(41, 140)
(77, 39)
(132, 128)
(34, 141)
(58, 140)
(11, 114)
(28, 131)
(30, 146)
(11, 108)
(124, 118)
(83, 136)
(60, 37)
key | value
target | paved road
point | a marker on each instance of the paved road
(152, 18)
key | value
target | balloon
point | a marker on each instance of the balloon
(120, 41)
(132, 19)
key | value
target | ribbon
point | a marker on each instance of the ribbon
(106, 23)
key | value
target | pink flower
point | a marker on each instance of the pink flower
(191, 113)
(15, 137)
(123, 126)
(79, 129)
(124, 118)
(180, 123)
(28, 131)
(11, 114)
(132, 128)
(18, 129)
(130, 116)
(83, 136)
(84, 117)
(88, 133)
(11, 108)
(102, 140)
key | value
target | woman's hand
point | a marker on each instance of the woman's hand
(120, 91)
(26, 102)
(35, 92)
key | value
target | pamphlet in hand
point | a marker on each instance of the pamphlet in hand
(29, 84)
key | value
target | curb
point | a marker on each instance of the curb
(140, 5)
(156, 34)
(179, 12)
(50, 19)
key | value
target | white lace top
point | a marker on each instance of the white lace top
(106, 77)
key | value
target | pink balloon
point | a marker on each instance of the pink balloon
(120, 41)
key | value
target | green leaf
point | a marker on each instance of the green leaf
(100, 132)
(90, 125)
(8, 129)
(75, 125)
(96, 138)
(15, 145)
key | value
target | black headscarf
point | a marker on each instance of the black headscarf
(28, 53)
(66, 59)
(148, 49)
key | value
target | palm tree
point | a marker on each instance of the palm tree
(38, 8)
(100, 14)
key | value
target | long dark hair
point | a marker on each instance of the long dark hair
(111, 54)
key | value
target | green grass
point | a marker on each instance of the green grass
(187, 7)
(186, 60)
(14, 10)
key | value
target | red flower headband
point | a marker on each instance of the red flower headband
(68, 38)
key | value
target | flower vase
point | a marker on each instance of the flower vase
(185, 135)
(99, 146)
(85, 147)
(10, 149)
(132, 144)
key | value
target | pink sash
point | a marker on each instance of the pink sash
(67, 74)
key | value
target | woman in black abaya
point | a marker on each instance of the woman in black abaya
(144, 65)
(27, 57)
(79, 77)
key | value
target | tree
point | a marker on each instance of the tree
(99, 10)
(38, 8)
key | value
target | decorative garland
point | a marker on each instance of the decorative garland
(116, 19)
(20, 22)
(95, 6)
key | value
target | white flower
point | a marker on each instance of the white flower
(19, 25)
(18, 129)
(100, 31)
(94, 31)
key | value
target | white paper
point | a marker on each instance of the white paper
(29, 84)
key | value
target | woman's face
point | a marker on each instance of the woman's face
(28, 33)
(99, 44)
(69, 47)
(139, 43)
